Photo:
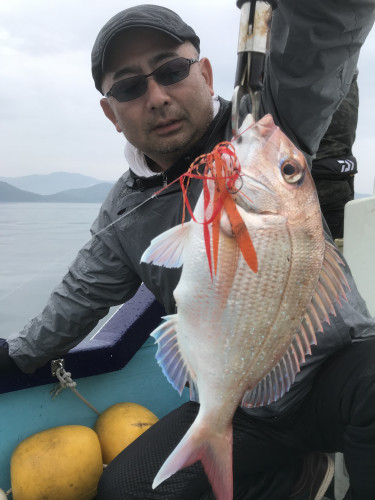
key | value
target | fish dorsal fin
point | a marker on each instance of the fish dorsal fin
(329, 290)
(167, 248)
(169, 357)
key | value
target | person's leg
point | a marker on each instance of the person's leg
(340, 413)
(263, 462)
(129, 476)
(266, 456)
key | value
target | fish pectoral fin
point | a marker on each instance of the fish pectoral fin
(167, 248)
(169, 356)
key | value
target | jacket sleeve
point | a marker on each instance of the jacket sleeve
(314, 51)
(97, 279)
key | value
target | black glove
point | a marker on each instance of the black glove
(273, 3)
(7, 365)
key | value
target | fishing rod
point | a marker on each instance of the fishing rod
(253, 44)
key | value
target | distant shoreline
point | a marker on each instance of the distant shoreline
(92, 194)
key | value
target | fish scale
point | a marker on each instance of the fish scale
(242, 331)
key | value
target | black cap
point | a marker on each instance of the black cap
(141, 16)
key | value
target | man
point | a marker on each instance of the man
(160, 96)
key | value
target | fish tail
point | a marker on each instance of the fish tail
(214, 450)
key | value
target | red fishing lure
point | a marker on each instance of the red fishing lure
(222, 167)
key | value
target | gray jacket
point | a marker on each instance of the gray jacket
(307, 74)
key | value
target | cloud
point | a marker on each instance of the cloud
(51, 117)
(50, 114)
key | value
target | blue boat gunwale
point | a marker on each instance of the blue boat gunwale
(111, 349)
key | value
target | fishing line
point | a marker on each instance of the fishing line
(120, 218)
(63, 256)
(52, 264)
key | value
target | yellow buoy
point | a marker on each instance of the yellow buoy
(59, 463)
(119, 425)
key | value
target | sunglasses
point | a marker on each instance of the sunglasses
(167, 74)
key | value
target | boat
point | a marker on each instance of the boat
(358, 248)
(118, 364)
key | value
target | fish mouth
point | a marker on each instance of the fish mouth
(254, 196)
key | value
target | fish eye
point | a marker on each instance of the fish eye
(291, 171)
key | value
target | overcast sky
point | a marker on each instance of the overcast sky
(50, 118)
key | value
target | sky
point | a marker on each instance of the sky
(50, 117)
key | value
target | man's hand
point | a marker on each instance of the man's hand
(273, 3)
(7, 365)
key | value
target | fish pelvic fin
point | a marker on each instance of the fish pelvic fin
(214, 450)
(167, 248)
(328, 292)
(170, 359)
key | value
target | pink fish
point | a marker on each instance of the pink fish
(243, 329)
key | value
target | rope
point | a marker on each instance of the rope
(66, 381)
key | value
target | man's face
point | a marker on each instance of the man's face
(167, 120)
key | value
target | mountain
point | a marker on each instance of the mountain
(52, 183)
(93, 194)
(60, 187)
(10, 193)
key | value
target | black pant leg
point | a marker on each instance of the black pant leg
(339, 413)
(263, 462)
(130, 475)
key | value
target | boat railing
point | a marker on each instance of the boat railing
(111, 349)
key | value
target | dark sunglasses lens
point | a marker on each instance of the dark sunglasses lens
(172, 71)
(135, 86)
(129, 89)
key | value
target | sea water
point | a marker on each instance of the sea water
(38, 241)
